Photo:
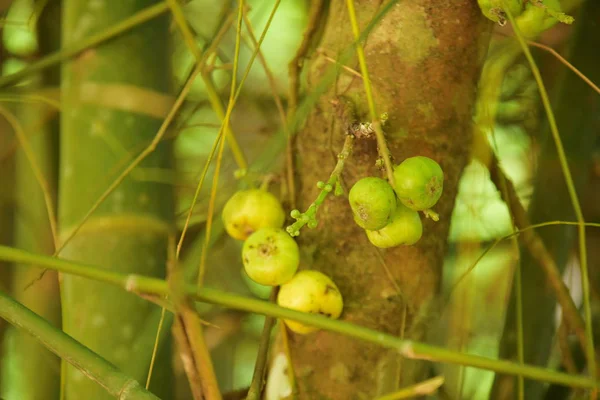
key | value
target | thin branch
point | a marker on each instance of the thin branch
(258, 378)
(70, 350)
(538, 251)
(135, 20)
(407, 348)
(384, 152)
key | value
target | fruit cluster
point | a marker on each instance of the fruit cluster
(271, 257)
(390, 216)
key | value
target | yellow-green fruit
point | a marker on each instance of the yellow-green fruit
(373, 202)
(310, 292)
(419, 182)
(270, 256)
(250, 210)
(494, 9)
(535, 19)
(405, 228)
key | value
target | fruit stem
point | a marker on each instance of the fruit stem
(310, 214)
(429, 213)
(258, 378)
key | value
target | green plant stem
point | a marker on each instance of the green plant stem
(92, 41)
(382, 147)
(213, 96)
(298, 114)
(89, 363)
(410, 349)
(585, 283)
(258, 378)
(422, 388)
(224, 128)
(517, 275)
(39, 175)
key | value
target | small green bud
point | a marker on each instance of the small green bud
(338, 189)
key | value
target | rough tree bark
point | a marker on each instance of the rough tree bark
(424, 59)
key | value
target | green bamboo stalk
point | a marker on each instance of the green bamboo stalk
(29, 371)
(94, 40)
(407, 348)
(128, 232)
(101, 373)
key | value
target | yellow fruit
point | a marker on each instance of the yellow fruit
(250, 210)
(310, 292)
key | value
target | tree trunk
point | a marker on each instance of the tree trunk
(113, 101)
(424, 59)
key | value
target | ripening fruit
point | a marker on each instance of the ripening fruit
(249, 210)
(373, 202)
(270, 256)
(310, 292)
(419, 182)
(405, 228)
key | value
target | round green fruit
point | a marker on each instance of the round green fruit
(495, 9)
(250, 210)
(310, 292)
(405, 228)
(419, 182)
(373, 202)
(270, 256)
(536, 19)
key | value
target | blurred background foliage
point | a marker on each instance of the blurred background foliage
(473, 319)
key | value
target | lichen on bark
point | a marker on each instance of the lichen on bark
(424, 59)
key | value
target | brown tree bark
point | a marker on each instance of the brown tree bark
(424, 59)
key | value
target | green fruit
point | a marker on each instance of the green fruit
(536, 19)
(250, 210)
(373, 202)
(494, 9)
(270, 256)
(260, 291)
(405, 228)
(310, 292)
(419, 182)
